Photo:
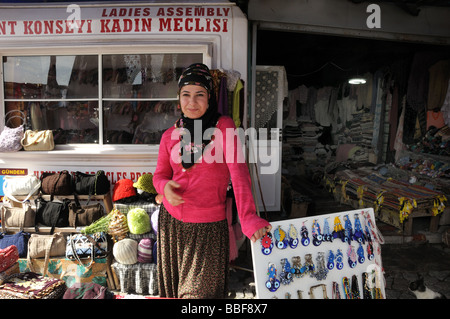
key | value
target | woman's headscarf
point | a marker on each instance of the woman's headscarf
(192, 149)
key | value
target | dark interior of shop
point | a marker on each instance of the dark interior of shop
(326, 60)
(322, 60)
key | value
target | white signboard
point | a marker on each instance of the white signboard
(326, 256)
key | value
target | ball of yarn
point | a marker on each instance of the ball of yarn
(138, 221)
(125, 251)
(145, 250)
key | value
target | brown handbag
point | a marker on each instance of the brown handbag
(57, 183)
(84, 215)
(45, 246)
(18, 217)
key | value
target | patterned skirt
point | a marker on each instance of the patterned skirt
(192, 258)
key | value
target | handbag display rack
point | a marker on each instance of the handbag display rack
(20, 200)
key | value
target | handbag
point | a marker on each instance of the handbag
(22, 185)
(10, 137)
(57, 183)
(8, 257)
(19, 239)
(54, 213)
(17, 217)
(38, 140)
(91, 246)
(84, 215)
(91, 184)
(45, 246)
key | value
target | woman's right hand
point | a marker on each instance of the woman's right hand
(169, 193)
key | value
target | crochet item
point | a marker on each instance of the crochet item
(118, 226)
(145, 183)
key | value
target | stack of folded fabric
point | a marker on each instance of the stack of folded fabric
(30, 285)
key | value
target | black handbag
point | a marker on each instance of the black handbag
(54, 213)
(91, 184)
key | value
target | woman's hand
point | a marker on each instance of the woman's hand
(169, 193)
(260, 232)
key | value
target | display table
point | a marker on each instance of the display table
(69, 271)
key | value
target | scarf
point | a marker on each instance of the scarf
(193, 139)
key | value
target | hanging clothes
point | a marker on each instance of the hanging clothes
(438, 84)
(418, 81)
(446, 106)
(236, 103)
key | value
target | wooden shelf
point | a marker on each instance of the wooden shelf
(45, 229)
(106, 198)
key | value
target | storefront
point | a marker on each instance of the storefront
(103, 77)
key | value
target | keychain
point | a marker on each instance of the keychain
(308, 267)
(370, 254)
(338, 231)
(330, 264)
(293, 237)
(296, 268)
(286, 275)
(326, 231)
(304, 234)
(321, 270)
(351, 256)
(359, 234)
(267, 243)
(360, 253)
(348, 230)
(281, 240)
(339, 259)
(317, 236)
(272, 283)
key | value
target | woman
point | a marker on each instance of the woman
(192, 173)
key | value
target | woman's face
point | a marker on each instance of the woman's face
(193, 101)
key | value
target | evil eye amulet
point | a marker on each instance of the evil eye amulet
(282, 244)
(273, 285)
(316, 241)
(293, 242)
(305, 241)
(351, 263)
(267, 244)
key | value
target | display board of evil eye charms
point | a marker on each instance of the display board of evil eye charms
(325, 256)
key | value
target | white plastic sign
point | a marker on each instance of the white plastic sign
(317, 257)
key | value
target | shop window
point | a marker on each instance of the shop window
(132, 100)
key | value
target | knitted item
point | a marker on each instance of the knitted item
(138, 221)
(125, 251)
(123, 189)
(145, 183)
(145, 250)
(118, 227)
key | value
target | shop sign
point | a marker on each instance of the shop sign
(113, 175)
(76, 20)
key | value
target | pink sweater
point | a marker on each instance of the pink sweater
(204, 185)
